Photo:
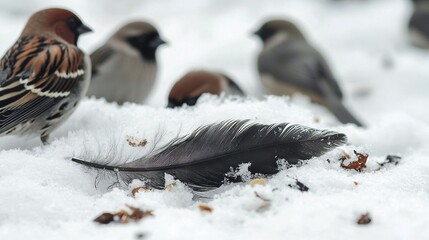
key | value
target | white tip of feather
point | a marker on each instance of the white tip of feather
(79, 72)
(40, 92)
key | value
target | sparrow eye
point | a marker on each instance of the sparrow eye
(141, 39)
(265, 33)
(72, 23)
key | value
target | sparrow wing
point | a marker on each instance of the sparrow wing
(299, 65)
(99, 56)
(289, 63)
(327, 76)
(40, 73)
(296, 63)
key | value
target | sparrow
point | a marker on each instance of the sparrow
(44, 75)
(418, 27)
(192, 85)
(289, 64)
(125, 67)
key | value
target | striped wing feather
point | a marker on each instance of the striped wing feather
(37, 73)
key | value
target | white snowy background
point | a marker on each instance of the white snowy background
(43, 195)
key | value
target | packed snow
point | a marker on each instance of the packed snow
(43, 195)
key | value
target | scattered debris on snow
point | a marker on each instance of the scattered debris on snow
(123, 216)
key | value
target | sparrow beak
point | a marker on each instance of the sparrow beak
(157, 42)
(83, 29)
(257, 33)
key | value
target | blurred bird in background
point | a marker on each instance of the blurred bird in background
(191, 86)
(418, 26)
(288, 64)
(44, 75)
(125, 67)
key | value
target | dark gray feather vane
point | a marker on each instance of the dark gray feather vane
(202, 159)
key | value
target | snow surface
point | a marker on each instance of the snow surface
(43, 195)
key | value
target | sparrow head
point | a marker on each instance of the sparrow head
(138, 38)
(56, 22)
(273, 27)
(191, 86)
